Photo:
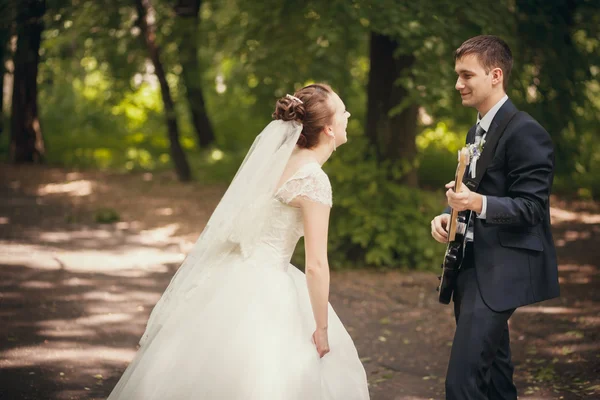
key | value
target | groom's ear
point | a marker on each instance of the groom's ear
(497, 76)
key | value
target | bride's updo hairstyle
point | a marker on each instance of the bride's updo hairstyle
(309, 106)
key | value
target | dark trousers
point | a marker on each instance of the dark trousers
(480, 366)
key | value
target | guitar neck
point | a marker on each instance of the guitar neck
(453, 224)
(463, 161)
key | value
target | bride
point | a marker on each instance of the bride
(238, 322)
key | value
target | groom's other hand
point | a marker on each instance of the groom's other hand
(464, 199)
(438, 228)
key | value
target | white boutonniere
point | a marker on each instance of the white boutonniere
(475, 151)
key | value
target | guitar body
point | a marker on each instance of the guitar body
(452, 261)
(457, 231)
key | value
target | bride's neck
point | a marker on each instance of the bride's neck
(320, 153)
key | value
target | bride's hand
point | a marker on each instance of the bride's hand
(321, 340)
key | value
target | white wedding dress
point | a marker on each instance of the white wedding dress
(245, 332)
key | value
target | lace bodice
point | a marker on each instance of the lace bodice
(310, 182)
(285, 227)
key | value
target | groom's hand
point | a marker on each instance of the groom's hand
(464, 199)
(439, 226)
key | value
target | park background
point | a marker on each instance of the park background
(123, 121)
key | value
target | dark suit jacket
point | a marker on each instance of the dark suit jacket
(515, 258)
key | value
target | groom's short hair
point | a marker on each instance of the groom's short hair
(491, 51)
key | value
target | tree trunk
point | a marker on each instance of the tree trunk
(4, 35)
(392, 134)
(7, 20)
(187, 25)
(26, 140)
(148, 32)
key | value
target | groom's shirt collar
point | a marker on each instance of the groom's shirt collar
(486, 121)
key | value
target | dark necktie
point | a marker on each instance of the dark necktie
(479, 132)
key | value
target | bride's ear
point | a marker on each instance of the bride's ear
(328, 131)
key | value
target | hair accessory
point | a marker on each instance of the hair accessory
(289, 96)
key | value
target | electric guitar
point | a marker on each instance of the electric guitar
(457, 233)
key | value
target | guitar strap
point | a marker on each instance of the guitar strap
(488, 152)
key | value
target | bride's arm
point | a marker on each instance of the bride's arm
(316, 223)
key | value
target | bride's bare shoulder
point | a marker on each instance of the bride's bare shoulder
(295, 163)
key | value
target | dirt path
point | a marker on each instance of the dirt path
(75, 295)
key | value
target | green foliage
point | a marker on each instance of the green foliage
(584, 182)
(376, 221)
(557, 82)
(101, 107)
(436, 167)
(438, 147)
(83, 130)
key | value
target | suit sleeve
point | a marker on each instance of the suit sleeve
(530, 167)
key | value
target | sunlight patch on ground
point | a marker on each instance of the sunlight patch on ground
(52, 323)
(66, 236)
(39, 257)
(124, 225)
(549, 310)
(88, 328)
(566, 337)
(53, 352)
(567, 349)
(72, 176)
(164, 211)
(581, 280)
(38, 285)
(578, 274)
(160, 235)
(8, 295)
(590, 320)
(128, 260)
(95, 320)
(111, 236)
(75, 282)
(559, 215)
(577, 268)
(76, 188)
(65, 334)
(571, 236)
(105, 296)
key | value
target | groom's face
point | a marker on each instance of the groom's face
(473, 83)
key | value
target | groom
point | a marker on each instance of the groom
(510, 260)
